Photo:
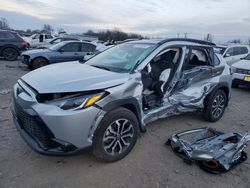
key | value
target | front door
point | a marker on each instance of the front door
(69, 52)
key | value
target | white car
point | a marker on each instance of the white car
(234, 52)
(37, 39)
(241, 72)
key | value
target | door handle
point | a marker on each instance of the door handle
(76, 53)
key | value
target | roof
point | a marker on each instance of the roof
(162, 41)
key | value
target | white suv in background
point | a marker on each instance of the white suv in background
(241, 72)
(234, 52)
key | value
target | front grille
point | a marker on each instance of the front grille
(34, 126)
(243, 71)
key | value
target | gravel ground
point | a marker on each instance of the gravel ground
(150, 164)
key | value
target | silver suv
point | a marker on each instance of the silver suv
(107, 102)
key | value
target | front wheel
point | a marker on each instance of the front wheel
(39, 62)
(215, 107)
(116, 135)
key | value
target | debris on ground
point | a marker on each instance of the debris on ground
(5, 91)
(214, 151)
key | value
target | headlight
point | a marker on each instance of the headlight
(78, 102)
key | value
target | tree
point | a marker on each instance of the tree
(236, 41)
(4, 23)
(47, 28)
(61, 30)
(209, 37)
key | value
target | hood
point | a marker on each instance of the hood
(72, 77)
(242, 64)
(37, 51)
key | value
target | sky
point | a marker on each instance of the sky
(224, 19)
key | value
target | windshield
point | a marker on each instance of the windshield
(57, 46)
(247, 57)
(123, 57)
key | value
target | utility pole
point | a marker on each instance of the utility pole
(185, 35)
(178, 34)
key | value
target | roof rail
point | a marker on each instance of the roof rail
(188, 40)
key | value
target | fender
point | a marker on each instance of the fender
(130, 103)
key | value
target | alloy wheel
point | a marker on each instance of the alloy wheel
(118, 136)
(218, 106)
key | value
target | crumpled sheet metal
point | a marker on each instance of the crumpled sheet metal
(215, 150)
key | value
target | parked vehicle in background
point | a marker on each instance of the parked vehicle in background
(61, 52)
(11, 45)
(234, 52)
(241, 72)
(36, 39)
(107, 101)
(54, 41)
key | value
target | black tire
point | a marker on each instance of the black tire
(10, 54)
(39, 62)
(215, 106)
(106, 140)
(234, 85)
(30, 66)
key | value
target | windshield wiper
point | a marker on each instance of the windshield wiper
(101, 67)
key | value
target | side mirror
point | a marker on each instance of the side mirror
(60, 50)
(227, 55)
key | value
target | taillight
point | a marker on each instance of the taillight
(24, 44)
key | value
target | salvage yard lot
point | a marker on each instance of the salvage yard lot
(150, 164)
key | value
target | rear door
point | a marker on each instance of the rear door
(199, 74)
(69, 52)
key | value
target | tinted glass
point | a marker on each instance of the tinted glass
(56, 41)
(1, 35)
(71, 47)
(88, 47)
(230, 51)
(247, 57)
(6, 35)
(48, 37)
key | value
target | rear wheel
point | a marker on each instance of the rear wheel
(39, 62)
(10, 54)
(215, 107)
(116, 135)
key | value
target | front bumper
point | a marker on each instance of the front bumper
(50, 130)
(25, 59)
(239, 79)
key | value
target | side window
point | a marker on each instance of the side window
(240, 50)
(71, 47)
(48, 37)
(6, 35)
(1, 35)
(216, 60)
(36, 37)
(196, 58)
(88, 47)
(56, 41)
(230, 52)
